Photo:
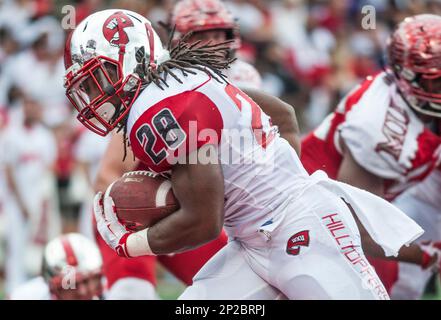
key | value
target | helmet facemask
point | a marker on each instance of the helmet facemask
(99, 93)
(422, 91)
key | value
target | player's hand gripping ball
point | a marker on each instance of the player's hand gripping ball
(136, 201)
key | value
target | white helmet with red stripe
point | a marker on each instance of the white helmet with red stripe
(103, 59)
(70, 255)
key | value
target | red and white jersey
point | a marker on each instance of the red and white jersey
(261, 171)
(243, 75)
(34, 289)
(382, 133)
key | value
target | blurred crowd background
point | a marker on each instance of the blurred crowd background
(309, 53)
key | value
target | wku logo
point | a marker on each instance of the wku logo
(113, 29)
(300, 239)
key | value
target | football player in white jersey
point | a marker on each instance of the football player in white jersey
(71, 270)
(208, 21)
(32, 210)
(383, 136)
(290, 234)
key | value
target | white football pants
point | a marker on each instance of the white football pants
(313, 255)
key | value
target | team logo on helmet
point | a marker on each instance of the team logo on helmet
(113, 29)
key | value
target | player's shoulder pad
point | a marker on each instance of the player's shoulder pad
(362, 131)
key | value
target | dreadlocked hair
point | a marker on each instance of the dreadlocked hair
(185, 57)
(209, 58)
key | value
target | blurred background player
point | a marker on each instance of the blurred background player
(71, 270)
(37, 68)
(384, 134)
(32, 212)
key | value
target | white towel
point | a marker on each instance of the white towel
(388, 226)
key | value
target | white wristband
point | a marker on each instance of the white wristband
(137, 244)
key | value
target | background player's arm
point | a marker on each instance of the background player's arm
(355, 175)
(352, 173)
(282, 115)
(112, 165)
(411, 254)
(199, 189)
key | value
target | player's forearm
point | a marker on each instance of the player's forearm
(179, 232)
(199, 190)
(411, 254)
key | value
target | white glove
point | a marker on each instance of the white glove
(110, 229)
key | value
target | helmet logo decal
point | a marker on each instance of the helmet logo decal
(113, 29)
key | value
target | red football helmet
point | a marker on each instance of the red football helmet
(414, 55)
(204, 15)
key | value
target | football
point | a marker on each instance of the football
(142, 198)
